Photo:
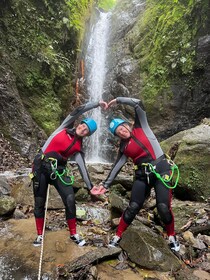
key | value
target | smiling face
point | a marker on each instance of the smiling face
(82, 130)
(123, 131)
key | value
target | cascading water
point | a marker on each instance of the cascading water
(95, 61)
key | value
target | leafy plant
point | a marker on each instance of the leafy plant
(106, 5)
(166, 42)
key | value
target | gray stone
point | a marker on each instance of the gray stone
(147, 249)
(118, 202)
(193, 160)
(4, 187)
(7, 205)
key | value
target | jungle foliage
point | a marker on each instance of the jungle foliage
(166, 43)
(39, 41)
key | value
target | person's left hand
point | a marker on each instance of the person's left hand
(103, 105)
(96, 190)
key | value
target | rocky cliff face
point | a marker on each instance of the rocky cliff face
(16, 122)
(123, 76)
(36, 76)
(189, 101)
(37, 59)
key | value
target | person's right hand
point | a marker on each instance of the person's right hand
(112, 103)
(96, 190)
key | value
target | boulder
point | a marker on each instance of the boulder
(4, 187)
(7, 205)
(147, 249)
(191, 150)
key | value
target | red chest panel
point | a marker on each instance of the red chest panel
(134, 150)
(61, 142)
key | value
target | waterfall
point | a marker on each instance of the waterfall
(95, 61)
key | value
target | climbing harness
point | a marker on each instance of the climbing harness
(165, 179)
(43, 233)
(55, 173)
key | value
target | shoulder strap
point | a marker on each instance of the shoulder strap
(71, 145)
(141, 145)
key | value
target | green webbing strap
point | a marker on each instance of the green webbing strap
(166, 180)
(60, 177)
(55, 173)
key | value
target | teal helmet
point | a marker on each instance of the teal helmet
(114, 125)
(91, 124)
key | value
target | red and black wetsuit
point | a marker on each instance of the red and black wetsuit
(62, 144)
(143, 147)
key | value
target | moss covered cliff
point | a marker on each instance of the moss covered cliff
(165, 43)
(160, 52)
(39, 42)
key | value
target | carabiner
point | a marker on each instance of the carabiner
(53, 176)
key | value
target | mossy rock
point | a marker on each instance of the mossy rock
(191, 152)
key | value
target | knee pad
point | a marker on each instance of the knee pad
(39, 207)
(131, 212)
(165, 213)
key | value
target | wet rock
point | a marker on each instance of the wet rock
(148, 249)
(15, 118)
(82, 195)
(185, 274)
(93, 273)
(118, 189)
(125, 180)
(7, 205)
(186, 213)
(193, 184)
(18, 214)
(89, 258)
(118, 202)
(5, 188)
(191, 240)
(204, 238)
(98, 215)
(99, 169)
(81, 214)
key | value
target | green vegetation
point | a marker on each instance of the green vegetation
(166, 43)
(78, 11)
(39, 40)
(106, 5)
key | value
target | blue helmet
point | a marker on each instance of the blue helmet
(91, 124)
(114, 125)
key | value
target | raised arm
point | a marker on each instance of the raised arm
(70, 119)
(140, 121)
(140, 114)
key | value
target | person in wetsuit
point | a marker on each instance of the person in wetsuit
(140, 144)
(49, 167)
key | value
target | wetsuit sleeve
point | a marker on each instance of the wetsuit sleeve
(79, 158)
(70, 119)
(121, 160)
(140, 114)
